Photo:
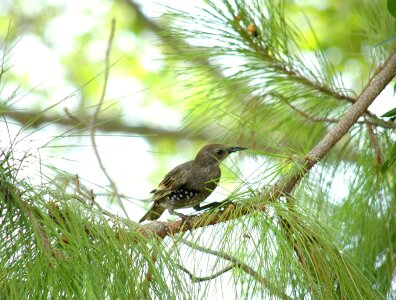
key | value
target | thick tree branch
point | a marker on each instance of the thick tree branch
(37, 119)
(164, 229)
(287, 183)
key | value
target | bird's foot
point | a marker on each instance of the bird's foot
(175, 213)
(186, 222)
(182, 216)
(214, 205)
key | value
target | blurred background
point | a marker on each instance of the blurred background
(55, 51)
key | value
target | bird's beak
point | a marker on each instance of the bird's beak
(235, 149)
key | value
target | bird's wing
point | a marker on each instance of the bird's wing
(172, 182)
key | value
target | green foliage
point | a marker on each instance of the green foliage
(391, 4)
(392, 158)
(390, 113)
(266, 79)
(75, 249)
(247, 81)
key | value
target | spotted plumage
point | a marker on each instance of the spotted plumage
(182, 194)
(190, 183)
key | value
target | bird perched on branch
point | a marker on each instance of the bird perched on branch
(190, 183)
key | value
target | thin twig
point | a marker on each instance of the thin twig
(77, 184)
(374, 122)
(206, 278)
(376, 146)
(98, 206)
(147, 279)
(72, 117)
(309, 117)
(37, 226)
(95, 117)
(5, 50)
(239, 264)
(92, 197)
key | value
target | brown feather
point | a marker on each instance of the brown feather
(172, 182)
(190, 183)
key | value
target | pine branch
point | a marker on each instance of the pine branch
(287, 183)
(270, 50)
(281, 67)
(176, 44)
(373, 122)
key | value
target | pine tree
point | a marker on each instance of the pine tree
(283, 233)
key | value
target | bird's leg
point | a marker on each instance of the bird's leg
(173, 212)
(185, 219)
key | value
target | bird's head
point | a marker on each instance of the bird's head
(215, 153)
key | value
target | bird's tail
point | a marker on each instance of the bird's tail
(154, 213)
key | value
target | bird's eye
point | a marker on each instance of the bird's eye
(220, 152)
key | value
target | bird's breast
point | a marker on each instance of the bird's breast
(182, 195)
(183, 198)
(199, 185)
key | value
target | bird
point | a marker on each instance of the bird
(190, 183)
